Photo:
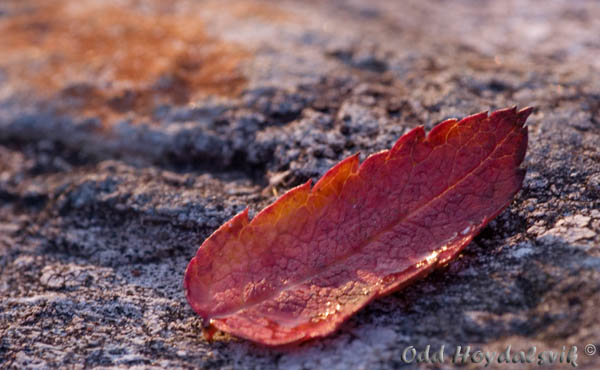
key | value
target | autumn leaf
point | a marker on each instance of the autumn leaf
(314, 257)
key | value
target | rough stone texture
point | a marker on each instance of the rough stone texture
(130, 131)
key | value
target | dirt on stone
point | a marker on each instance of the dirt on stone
(129, 131)
(105, 60)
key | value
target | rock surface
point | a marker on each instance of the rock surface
(130, 131)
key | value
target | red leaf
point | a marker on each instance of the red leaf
(315, 256)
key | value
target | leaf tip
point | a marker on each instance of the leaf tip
(523, 114)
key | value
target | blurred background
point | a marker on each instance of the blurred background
(130, 130)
